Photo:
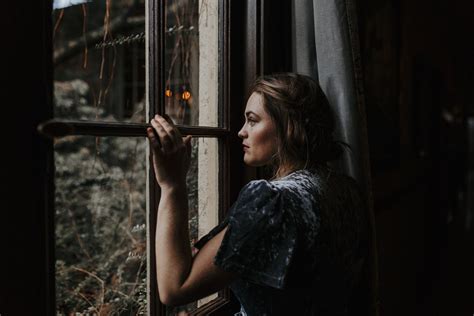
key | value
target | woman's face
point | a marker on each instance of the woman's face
(259, 136)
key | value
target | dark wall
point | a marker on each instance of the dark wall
(418, 69)
(23, 272)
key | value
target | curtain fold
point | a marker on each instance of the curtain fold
(303, 40)
(325, 46)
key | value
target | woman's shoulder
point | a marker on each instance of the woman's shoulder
(296, 182)
(302, 184)
(301, 181)
(320, 183)
(296, 177)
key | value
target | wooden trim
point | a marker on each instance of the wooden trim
(217, 307)
(47, 161)
(60, 128)
(223, 99)
(156, 54)
(154, 305)
(224, 106)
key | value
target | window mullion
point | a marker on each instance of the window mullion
(60, 128)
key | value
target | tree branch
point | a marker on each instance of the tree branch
(75, 46)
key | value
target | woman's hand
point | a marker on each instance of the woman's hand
(171, 159)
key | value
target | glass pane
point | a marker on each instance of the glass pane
(203, 201)
(100, 219)
(192, 61)
(99, 60)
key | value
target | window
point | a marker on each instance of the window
(116, 64)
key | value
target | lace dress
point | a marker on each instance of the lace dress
(299, 244)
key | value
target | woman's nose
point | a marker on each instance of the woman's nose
(242, 132)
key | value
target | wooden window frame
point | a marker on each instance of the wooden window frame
(223, 304)
(28, 279)
(232, 173)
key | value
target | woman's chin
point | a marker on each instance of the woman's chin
(253, 163)
(249, 162)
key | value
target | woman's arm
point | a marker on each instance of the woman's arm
(181, 278)
(172, 247)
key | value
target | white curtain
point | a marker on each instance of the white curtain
(326, 47)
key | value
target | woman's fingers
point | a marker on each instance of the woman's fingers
(187, 143)
(169, 127)
(187, 139)
(152, 137)
(169, 135)
(165, 139)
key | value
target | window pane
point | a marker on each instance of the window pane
(192, 61)
(99, 60)
(100, 218)
(203, 200)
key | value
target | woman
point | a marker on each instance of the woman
(292, 245)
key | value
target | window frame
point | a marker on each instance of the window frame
(29, 224)
(156, 99)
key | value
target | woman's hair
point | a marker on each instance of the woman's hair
(303, 119)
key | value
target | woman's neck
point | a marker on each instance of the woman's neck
(283, 172)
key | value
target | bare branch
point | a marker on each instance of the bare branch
(76, 46)
(101, 282)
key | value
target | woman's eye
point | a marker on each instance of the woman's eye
(251, 122)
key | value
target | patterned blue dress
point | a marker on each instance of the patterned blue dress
(298, 243)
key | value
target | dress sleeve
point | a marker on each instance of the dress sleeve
(204, 239)
(261, 236)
